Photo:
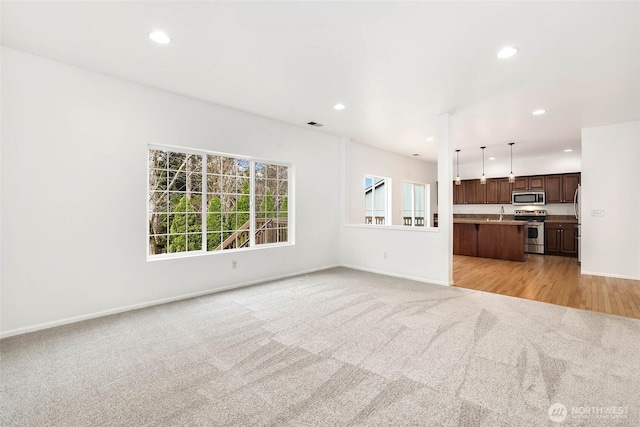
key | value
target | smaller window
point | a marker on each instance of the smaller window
(414, 204)
(376, 200)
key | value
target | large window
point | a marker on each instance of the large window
(205, 202)
(376, 199)
(414, 204)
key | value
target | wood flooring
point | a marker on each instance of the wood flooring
(553, 279)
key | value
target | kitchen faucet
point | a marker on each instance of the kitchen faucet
(501, 212)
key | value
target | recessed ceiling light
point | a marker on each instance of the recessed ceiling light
(538, 112)
(159, 37)
(430, 138)
(492, 158)
(507, 52)
(338, 107)
(568, 150)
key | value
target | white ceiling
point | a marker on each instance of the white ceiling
(395, 65)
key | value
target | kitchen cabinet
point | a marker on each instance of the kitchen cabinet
(560, 188)
(471, 191)
(465, 239)
(553, 187)
(467, 193)
(458, 194)
(529, 183)
(490, 239)
(491, 191)
(570, 185)
(560, 239)
(504, 191)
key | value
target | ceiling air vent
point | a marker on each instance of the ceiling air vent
(315, 124)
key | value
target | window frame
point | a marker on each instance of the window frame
(204, 208)
(426, 207)
(387, 201)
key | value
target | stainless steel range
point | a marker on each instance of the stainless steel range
(534, 244)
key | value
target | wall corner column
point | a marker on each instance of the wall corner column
(445, 190)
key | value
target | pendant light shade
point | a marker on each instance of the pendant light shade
(483, 179)
(458, 182)
(512, 177)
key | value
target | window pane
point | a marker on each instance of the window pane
(194, 163)
(407, 193)
(214, 164)
(158, 179)
(260, 170)
(213, 241)
(157, 245)
(419, 197)
(242, 185)
(228, 166)
(157, 159)
(368, 198)
(158, 202)
(283, 173)
(194, 241)
(177, 161)
(271, 201)
(283, 188)
(242, 167)
(214, 183)
(379, 200)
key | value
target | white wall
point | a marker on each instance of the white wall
(365, 160)
(610, 182)
(414, 252)
(74, 185)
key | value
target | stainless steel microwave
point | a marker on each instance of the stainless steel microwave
(535, 198)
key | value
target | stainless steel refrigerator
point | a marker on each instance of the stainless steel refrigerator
(576, 210)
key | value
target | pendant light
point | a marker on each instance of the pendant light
(483, 179)
(458, 182)
(512, 177)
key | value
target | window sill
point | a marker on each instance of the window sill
(394, 228)
(195, 254)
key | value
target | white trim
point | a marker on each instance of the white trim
(388, 195)
(424, 229)
(617, 276)
(69, 320)
(190, 254)
(204, 154)
(426, 207)
(399, 276)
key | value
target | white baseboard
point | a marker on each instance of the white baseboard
(69, 320)
(400, 276)
(617, 276)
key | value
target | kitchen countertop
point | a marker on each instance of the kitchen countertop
(562, 221)
(484, 221)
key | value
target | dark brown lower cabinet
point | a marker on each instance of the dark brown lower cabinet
(501, 242)
(560, 239)
(489, 241)
(465, 239)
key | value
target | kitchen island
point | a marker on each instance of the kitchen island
(490, 238)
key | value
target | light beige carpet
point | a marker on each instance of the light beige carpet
(338, 347)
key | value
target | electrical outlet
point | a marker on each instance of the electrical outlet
(234, 263)
(597, 212)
